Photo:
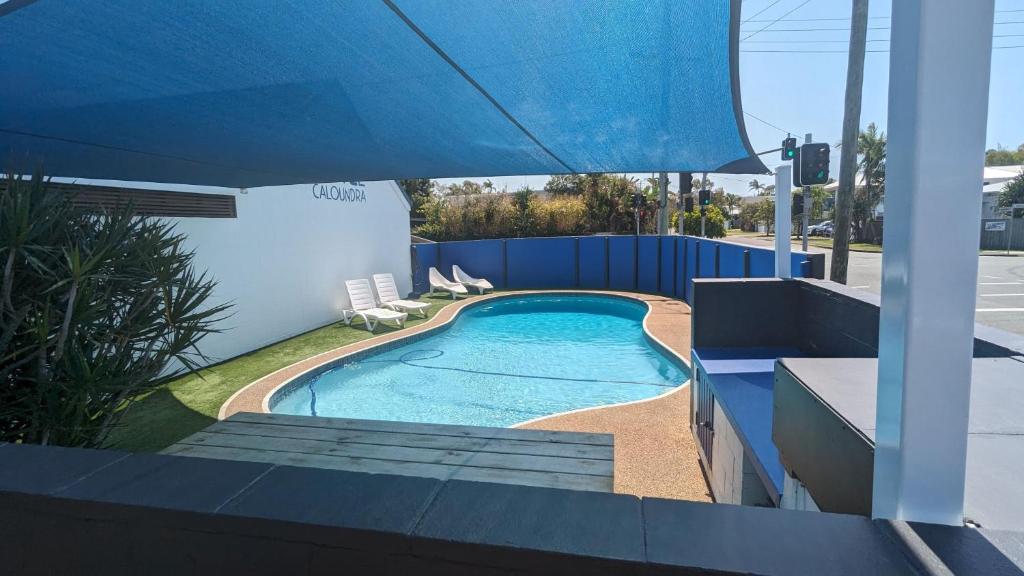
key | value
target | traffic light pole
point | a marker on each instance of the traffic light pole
(807, 202)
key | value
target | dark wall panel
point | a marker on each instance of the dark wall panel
(647, 264)
(622, 262)
(593, 262)
(541, 263)
(480, 258)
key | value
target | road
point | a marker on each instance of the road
(1000, 300)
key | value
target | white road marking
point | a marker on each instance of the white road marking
(992, 277)
(990, 295)
(1000, 283)
(999, 309)
(864, 286)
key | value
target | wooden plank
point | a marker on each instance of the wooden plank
(439, 442)
(419, 428)
(405, 454)
(439, 471)
(517, 477)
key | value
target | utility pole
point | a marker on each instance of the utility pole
(807, 202)
(848, 152)
(703, 186)
(662, 203)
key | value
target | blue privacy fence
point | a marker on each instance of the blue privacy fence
(653, 264)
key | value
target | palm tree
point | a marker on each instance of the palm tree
(757, 187)
(871, 148)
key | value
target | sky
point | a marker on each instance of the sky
(770, 93)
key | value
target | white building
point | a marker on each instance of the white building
(279, 254)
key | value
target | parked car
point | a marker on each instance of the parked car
(821, 229)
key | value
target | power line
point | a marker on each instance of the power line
(761, 12)
(751, 19)
(847, 41)
(1010, 22)
(801, 5)
(767, 123)
(843, 51)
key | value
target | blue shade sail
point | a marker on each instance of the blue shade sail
(246, 93)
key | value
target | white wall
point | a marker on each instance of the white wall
(284, 260)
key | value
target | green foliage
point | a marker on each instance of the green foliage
(871, 146)
(714, 222)
(420, 191)
(1013, 192)
(578, 204)
(1000, 156)
(95, 310)
(759, 212)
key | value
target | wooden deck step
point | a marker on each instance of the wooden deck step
(579, 461)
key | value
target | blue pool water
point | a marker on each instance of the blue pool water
(501, 362)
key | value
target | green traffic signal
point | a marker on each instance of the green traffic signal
(790, 153)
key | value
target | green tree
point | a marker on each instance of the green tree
(1013, 192)
(1000, 156)
(420, 190)
(757, 187)
(95, 311)
(871, 147)
(564, 184)
(467, 188)
(523, 200)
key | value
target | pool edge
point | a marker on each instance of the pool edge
(259, 392)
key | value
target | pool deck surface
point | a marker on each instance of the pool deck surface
(655, 454)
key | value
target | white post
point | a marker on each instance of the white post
(938, 104)
(783, 220)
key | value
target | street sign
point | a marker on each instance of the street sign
(995, 226)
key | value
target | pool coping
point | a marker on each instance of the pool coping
(255, 396)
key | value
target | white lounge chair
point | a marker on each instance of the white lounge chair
(466, 280)
(387, 293)
(441, 284)
(365, 306)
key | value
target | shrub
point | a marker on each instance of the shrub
(95, 310)
(714, 222)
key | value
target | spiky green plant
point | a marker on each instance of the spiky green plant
(96, 309)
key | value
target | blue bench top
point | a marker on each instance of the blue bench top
(743, 380)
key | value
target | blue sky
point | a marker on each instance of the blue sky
(770, 93)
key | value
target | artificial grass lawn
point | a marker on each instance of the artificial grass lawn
(190, 403)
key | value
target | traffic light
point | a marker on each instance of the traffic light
(798, 203)
(796, 168)
(638, 200)
(813, 160)
(789, 149)
(688, 203)
(705, 198)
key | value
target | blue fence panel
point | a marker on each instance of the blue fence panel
(541, 263)
(801, 266)
(480, 258)
(593, 262)
(681, 243)
(423, 257)
(762, 263)
(730, 260)
(708, 254)
(622, 262)
(692, 247)
(668, 265)
(647, 264)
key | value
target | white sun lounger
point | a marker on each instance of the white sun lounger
(466, 280)
(441, 284)
(387, 293)
(365, 306)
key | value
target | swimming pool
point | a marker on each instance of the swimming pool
(500, 362)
